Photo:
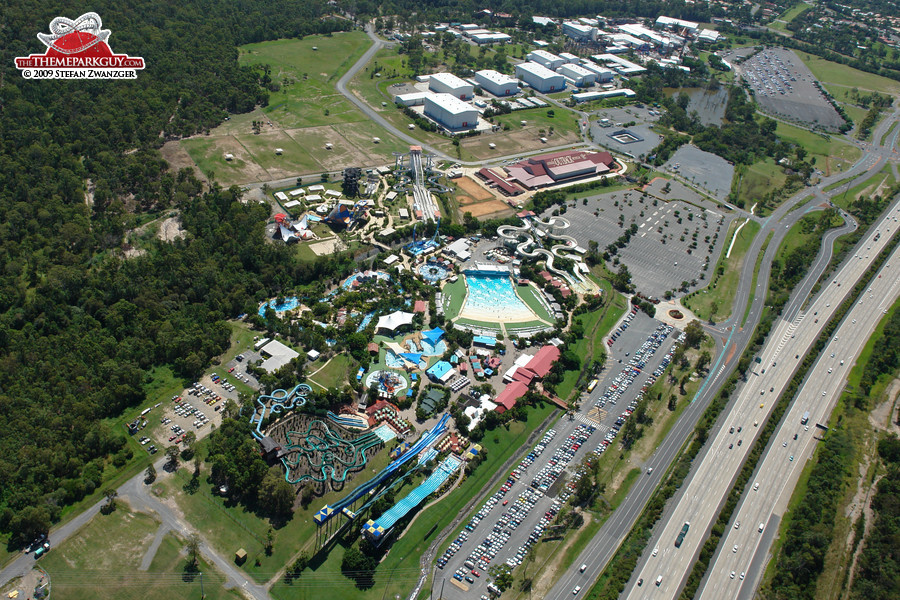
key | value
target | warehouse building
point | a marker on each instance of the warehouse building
(569, 57)
(580, 76)
(496, 83)
(670, 23)
(491, 37)
(448, 83)
(579, 32)
(604, 75)
(451, 112)
(540, 78)
(545, 59)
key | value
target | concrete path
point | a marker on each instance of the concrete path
(151, 551)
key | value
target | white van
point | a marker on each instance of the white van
(761, 525)
(658, 580)
(582, 568)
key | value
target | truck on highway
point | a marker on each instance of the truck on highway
(805, 418)
(681, 534)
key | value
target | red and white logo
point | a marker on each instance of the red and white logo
(78, 50)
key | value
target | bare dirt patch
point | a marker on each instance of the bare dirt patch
(491, 207)
(170, 230)
(472, 189)
(178, 158)
(883, 415)
(328, 246)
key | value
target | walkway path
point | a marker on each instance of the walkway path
(151, 551)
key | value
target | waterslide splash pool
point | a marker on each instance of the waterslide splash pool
(493, 298)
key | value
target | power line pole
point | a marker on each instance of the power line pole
(202, 595)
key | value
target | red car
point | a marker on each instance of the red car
(231, 369)
(172, 438)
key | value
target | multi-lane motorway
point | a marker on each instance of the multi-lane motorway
(601, 549)
(744, 549)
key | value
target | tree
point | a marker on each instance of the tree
(110, 505)
(703, 360)
(693, 334)
(150, 474)
(275, 493)
(270, 541)
(502, 576)
(172, 456)
(192, 547)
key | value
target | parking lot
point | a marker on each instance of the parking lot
(785, 87)
(198, 407)
(520, 513)
(674, 239)
(618, 119)
(705, 170)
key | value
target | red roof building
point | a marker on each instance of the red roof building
(420, 306)
(510, 394)
(559, 167)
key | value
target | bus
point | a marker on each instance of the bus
(592, 385)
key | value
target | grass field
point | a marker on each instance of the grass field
(875, 184)
(529, 296)
(303, 114)
(834, 73)
(831, 154)
(789, 15)
(103, 560)
(335, 374)
(714, 302)
(759, 179)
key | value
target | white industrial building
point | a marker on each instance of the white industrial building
(604, 75)
(577, 31)
(451, 112)
(580, 76)
(412, 99)
(624, 67)
(545, 59)
(569, 57)
(496, 83)
(588, 96)
(540, 77)
(670, 23)
(708, 35)
(491, 37)
(448, 83)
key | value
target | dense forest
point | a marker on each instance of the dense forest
(80, 325)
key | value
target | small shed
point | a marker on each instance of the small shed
(240, 556)
(313, 355)
(279, 151)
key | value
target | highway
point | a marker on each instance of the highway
(603, 546)
(726, 450)
(745, 547)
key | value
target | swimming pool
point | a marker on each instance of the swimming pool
(492, 297)
(393, 361)
(288, 304)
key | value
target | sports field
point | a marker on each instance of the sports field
(304, 113)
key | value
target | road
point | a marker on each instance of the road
(710, 480)
(137, 494)
(745, 548)
(600, 550)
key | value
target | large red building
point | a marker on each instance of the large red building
(560, 167)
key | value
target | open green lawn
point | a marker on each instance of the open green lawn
(307, 77)
(529, 296)
(883, 179)
(759, 179)
(562, 120)
(831, 153)
(103, 560)
(831, 72)
(715, 301)
(454, 295)
(336, 373)
(399, 570)
(789, 15)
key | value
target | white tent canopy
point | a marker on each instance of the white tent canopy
(394, 320)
